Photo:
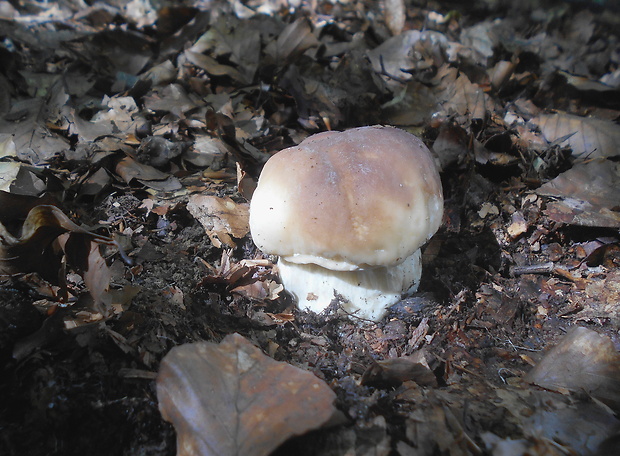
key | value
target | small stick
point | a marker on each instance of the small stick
(542, 268)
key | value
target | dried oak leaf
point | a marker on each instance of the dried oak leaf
(230, 399)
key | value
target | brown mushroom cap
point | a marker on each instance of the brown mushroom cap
(349, 200)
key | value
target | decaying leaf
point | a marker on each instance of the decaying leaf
(253, 279)
(47, 242)
(130, 169)
(8, 173)
(451, 145)
(552, 423)
(238, 41)
(28, 124)
(230, 399)
(583, 361)
(464, 97)
(588, 195)
(408, 53)
(481, 39)
(119, 119)
(587, 136)
(294, 40)
(395, 15)
(436, 429)
(393, 372)
(223, 218)
(518, 225)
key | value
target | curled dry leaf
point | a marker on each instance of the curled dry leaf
(588, 195)
(253, 279)
(451, 144)
(587, 136)
(222, 218)
(230, 399)
(47, 242)
(582, 361)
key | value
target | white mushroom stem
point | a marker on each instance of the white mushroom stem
(368, 292)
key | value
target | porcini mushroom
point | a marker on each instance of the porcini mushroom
(347, 212)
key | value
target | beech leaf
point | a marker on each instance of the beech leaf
(587, 194)
(586, 136)
(230, 399)
(583, 360)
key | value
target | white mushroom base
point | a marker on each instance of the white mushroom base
(368, 292)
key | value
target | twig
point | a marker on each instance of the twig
(543, 268)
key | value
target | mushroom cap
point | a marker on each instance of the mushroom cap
(357, 199)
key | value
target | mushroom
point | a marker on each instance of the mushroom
(347, 213)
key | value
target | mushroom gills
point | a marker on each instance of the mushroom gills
(367, 292)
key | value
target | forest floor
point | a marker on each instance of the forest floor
(131, 138)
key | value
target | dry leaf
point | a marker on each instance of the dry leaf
(588, 195)
(518, 225)
(250, 278)
(230, 399)
(129, 169)
(294, 40)
(401, 56)
(28, 125)
(482, 39)
(582, 361)
(451, 145)
(393, 372)
(222, 218)
(395, 15)
(48, 242)
(586, 136)
(8, 173)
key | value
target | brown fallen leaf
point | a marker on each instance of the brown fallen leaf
(518, 225)
(587, 136)
(295, 39)
(451, 145)
(254, 279)
(129, 169)
(583, 361)
(230, 399)
(401, 56)
(588, 195)
(552, 421)
(395, 371)
(395, 15)
(48, 243)
(222, 218)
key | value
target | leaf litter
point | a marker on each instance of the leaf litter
(131, 140)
